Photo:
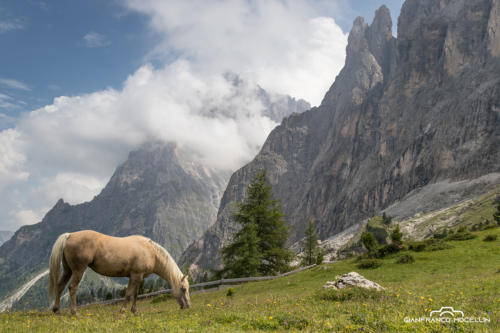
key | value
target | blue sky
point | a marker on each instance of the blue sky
(48, 53)
(82, 83)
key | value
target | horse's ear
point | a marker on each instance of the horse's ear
(185, 276)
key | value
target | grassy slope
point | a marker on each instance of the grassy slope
(465, 277)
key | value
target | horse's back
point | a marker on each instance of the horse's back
(108, 255)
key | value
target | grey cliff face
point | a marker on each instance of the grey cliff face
(403, 113)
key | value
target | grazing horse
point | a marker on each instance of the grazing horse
(134, 257)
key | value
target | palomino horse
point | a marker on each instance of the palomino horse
(135, 257)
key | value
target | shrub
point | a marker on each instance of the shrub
(441, 235)
(490, 238)
(461, 236)
(387, 249)
(405, 259)
(417, 246)
(396, 235)
(386, 219)
(230, 292)
(319, 257)
(369, 263)
(354, 293)
(369, 241)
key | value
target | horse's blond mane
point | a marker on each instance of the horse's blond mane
(171, 270)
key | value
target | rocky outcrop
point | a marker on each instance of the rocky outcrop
(402, 114)
(350, 280)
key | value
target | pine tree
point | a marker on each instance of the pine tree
(242, 257)
(310, 246)
(386, 219)
(396, 235)
(260, 245)
(369, 241)
(496, 215)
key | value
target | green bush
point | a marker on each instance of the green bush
(369, 241)
(441, 235)
(405, 259)
(347, 294)
(369, 263)
(417, 246)
(387, 249)
(490, 238)
(461, 236)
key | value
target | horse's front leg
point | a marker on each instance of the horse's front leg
(136, 292)
(133, 284)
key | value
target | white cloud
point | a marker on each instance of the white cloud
(73, 187)
(9, 25)
(70, 148)
(14, 84)
(94, 39)
(25, 216)
(286, 46)
(12, 158)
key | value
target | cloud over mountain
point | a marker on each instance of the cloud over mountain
(70, 147)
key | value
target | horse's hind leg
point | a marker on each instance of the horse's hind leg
(60, 287)
(76, 277)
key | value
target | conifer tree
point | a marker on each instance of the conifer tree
(310, 246)
(496, 215)
(260, 245)
(369, 241)
(396, 235)
(242, 258)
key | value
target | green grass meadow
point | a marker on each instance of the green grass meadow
(465, 277)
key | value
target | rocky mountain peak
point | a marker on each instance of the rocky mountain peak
(402, 114)
(370, 58)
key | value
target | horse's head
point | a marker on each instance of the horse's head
(182, 293)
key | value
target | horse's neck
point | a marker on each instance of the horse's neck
(167, 270)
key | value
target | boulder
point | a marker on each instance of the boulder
(352, 279)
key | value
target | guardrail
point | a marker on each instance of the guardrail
(219, 283)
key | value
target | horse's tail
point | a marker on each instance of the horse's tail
(56, 257)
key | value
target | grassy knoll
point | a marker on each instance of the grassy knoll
(465, 276)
